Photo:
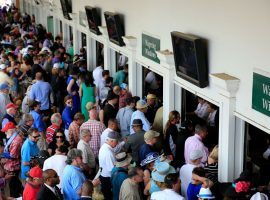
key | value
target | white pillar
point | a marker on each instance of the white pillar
(131, 44)
(167, 64)
(227, 87)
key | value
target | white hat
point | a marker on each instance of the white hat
(259, 196)
(195, 154)
(205, 193)
(56, 65)
(3, 66)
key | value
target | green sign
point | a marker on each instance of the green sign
(149, 47)
(261, 94)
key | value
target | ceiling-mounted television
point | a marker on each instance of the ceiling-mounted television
(93, 19)
(66, 8)
(115, 28)
(190, 56)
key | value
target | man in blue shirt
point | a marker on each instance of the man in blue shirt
(42, 91)
(35, 112)
(119, 173)
(29, 149)
(150, 138)
(73, 177)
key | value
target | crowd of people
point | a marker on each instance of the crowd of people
(69, 133)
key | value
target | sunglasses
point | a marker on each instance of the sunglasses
(36, 136)
(59, 136)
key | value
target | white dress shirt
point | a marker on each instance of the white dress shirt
(202, 111)
(166, 194)
(106, 158)
(97, 74)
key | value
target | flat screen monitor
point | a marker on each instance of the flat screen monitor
(115, 28)
(66, 8)
(190, 58)
(93, 19)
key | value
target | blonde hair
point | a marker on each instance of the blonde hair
(172, 116)
(214, 153)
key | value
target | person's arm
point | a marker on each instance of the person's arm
(80, 91)
(69, 87)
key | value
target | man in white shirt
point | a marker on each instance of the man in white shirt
(171, 191)
(57, 162)
(97, 72)
(201, 110)
(141, 106)
(106, 163)
(186, 170)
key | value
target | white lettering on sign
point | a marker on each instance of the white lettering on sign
(150, 53)
(266, 89)
(266, 104)
(150, 45)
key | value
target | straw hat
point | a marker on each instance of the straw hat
(141, 104)
(122, 159)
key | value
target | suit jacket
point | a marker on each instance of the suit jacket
(46, 194)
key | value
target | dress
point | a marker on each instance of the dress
(76, 97)
(88, 95)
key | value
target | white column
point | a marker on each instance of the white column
(107, 58)
(131, 44)
(226, 86)
(167, 64)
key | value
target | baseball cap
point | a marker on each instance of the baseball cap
(150, 135)
(4, 86)
(8, 125)
(35, 172)
(114, 135)
(11, 105)
(196, 154)
(123, 86)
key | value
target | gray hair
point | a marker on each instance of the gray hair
(27, 117)
(199, 128)
(72, 154)
(56, 118)
(84, 132)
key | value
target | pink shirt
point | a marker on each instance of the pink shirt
(195, 143)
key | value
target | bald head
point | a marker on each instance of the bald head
(50, 177)
(93, 114)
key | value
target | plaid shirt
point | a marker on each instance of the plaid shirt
(74, 134)
(96, 128)
(15, 152)
(50, 132)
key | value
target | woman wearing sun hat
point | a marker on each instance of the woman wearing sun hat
(159, 173)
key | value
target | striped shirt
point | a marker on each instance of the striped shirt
(50, 132)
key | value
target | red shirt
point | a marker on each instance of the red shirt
(50, 132)
(30, 191)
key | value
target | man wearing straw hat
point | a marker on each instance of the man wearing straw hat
(119, 173)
